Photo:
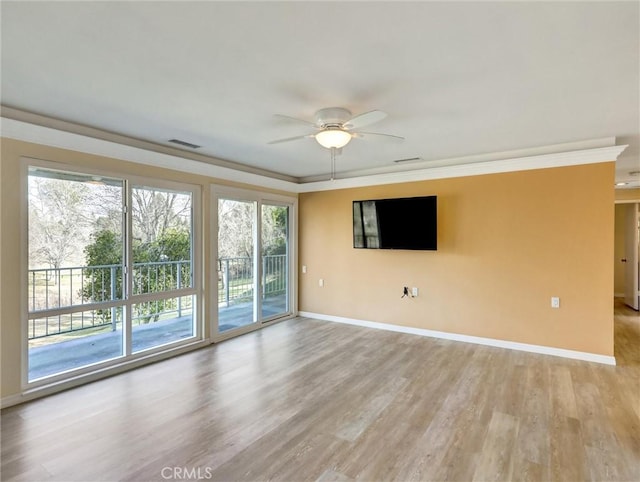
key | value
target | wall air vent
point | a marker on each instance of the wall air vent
(184, 143)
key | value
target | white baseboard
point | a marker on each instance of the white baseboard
(511, 345)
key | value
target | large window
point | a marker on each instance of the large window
(111, 269)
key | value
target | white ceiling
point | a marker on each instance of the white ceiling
(457, 79)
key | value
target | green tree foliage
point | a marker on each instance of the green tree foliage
(274, 227)
(153, 268)
(104, 252)
(106, 248)
(174, 244)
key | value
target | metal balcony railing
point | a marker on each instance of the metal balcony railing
(235, 278)
(71, 287)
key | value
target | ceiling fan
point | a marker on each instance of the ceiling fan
(336, 127)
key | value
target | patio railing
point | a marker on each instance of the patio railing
(51, 288)
(235, 278)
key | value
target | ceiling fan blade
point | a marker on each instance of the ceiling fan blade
(290, 139)
(376, 134)
(295, 119)
(365, 119)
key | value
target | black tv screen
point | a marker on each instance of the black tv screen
(402, 223)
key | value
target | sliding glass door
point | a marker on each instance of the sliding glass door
(236, 264)
(110, 269)
(253, 259)
(274, 279)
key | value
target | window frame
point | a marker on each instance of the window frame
(128, 359)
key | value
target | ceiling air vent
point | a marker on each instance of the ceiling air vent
(410, 159)
(184, 143)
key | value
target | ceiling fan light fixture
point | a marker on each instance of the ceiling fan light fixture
(330, 138)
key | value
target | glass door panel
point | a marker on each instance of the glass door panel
(74, 340)
(162, 240)
(74, 279)
(236, 264)
(161, 321)
(275, 261)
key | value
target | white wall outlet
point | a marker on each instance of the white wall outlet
(304, 269)
(555, 302)
(414, 291)
(321, 283)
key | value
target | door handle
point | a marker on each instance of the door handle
(624, 260)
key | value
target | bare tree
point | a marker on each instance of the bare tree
(235, 228)
(57, 220)
(64, 212)
(155, 211)
(106, 205)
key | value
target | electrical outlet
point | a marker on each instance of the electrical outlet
(321, 283)
(414, 291)
(304, 269)
(555, 302)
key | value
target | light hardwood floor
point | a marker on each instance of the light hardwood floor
(313, 400)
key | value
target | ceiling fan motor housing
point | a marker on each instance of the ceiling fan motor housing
(332, 117)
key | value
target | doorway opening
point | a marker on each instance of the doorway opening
(626, 284)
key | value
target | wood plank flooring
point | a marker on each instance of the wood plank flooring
(318, 401)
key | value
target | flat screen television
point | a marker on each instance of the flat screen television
(402, 223)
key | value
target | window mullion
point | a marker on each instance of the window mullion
(127, 282)
(257, 256)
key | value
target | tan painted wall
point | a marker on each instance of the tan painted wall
(506, 244)
(11, 240)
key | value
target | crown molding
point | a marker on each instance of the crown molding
(202, 165)
(420, 163)
(88, 131)
(24, 131)
(545, 161)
